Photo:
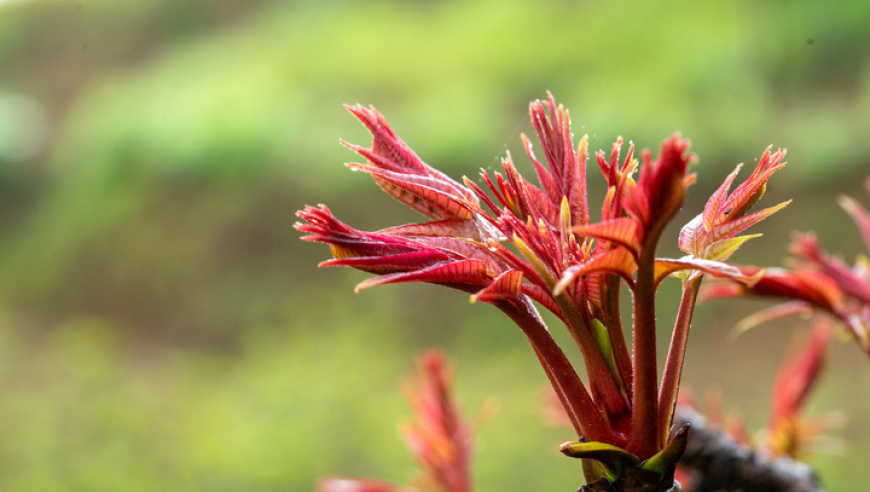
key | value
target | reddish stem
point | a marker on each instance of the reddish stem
(644, 429)
(561, 394)
(676, 355)
(572, 393)
(605, 385)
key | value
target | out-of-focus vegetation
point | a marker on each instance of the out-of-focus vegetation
(163, 328)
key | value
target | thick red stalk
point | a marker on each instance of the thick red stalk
(561, 394)
(676, 355)
(573, 395)
(645, 415)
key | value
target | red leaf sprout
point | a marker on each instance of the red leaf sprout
(439, 437)
(510, 242)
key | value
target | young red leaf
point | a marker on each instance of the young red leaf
(468, 275)
(624, 231)
(726, 215)
(617, 261)
(404, 176)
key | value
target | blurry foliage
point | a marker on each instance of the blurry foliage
(164, 328)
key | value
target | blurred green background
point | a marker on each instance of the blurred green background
(163, 328)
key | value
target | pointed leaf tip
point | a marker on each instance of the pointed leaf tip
(665, 461)
(599, 451)
(508, 284)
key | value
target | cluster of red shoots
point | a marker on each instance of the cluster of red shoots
(439, 437)
(788, 432)
(522, 242)
(816, 281)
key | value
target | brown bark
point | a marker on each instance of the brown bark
(724, 465)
